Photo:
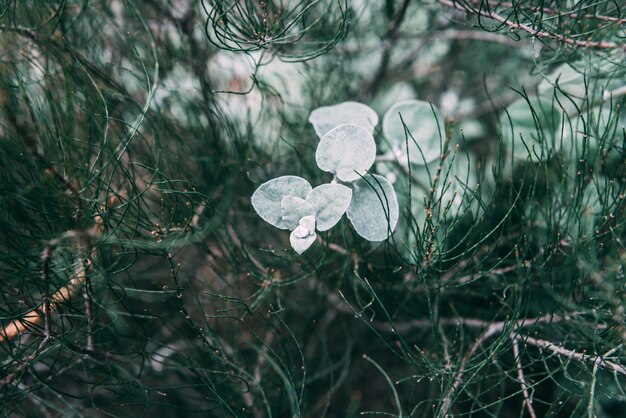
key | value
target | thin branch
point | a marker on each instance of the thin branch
(25, 363)
(520, 376)
(486, 12)
(496, 327)
(46, 257)
(390, 41)
(572, 15)
(447, 399)
(32, 318)
(446, 348)
(464, 35)
(88, 305)
(574, 355)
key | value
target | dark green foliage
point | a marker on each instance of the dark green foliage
(137, 280)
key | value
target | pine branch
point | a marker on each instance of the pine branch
(534, 32)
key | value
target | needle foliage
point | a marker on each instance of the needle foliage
(137, 278)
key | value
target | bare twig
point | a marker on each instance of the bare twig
(547, 10)
(520, 376)
(25, 363)
(447, 399)
(497, 327)
(88, 305)
(599, 360)
(465, 35)
(446, 348)
(46, 256)
(32, 318)
(487, 12)
(84, 238)
(262, 357)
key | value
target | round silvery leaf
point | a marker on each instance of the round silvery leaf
(326, 118)
(303, 235)
(374, 209)
(293, 209)
(531, 130)
(423, 122)
(308, 223)
(330, 202)
(267, 199)
(299, 244)
(596, 134)
(347, 151)
(567, 79)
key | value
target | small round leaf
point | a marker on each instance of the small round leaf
(347, 151)
(300, 245)
(330, 202)
(267, 199)
(293, 209)
(326, 118)
(303, 235)
(374, 208)
(423, 122)
(530, 129)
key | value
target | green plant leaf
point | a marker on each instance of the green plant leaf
(424, 123)
(569, 80)
(530, 129)
(374, 209)
(326, 118)
(293, 209)
(330, 202)
(347, 151)
(267, 199)
(303, 235)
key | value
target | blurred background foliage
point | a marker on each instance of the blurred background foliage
(137, 279)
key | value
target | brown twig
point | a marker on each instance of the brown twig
(497, 327)
(599, 360)
(447, 399)
(547, 10)
(463, 35)
(520, 376)
(488, 13)
(32, 318)
(18, 326)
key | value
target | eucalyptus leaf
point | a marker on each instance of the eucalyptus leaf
(330, 202)
(596, 134)
(303, 235)
(301, 244)
(530, 128)
(267, 199)
(347, 151)
(326, 118)
(567, 80)
(374, 209)
(293, 209)
(423, 122)
(308, 223)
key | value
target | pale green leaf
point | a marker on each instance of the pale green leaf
(530, 129)
(293, 209)
(424, 124)
(303, 235)
(347, 151)
(326, 118)
(330, 202)
(567, 80)
(374, 209)
(267, 199)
